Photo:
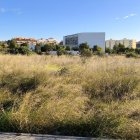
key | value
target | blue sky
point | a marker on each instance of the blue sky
(55, 18)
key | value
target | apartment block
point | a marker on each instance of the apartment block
(50, 41)
(91, 38)
(138, 44)
(29, 41)
(126, 42)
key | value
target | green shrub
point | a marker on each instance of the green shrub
(86, 53)
(20, 83)
(131, 54)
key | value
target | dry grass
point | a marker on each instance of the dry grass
(98, 97)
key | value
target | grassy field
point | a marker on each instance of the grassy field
(96, 97)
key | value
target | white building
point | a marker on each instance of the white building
(42, 41)
(91, 39)
(52, 41)
(48, 41)
(126, 42)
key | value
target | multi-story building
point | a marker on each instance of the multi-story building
(42, 41)
(21, 40)
(126, 42)
(52, 41)
(138, 44)
(30, 41)
(90, 38)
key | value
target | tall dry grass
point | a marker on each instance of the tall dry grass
(96, 97)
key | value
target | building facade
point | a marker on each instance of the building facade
(138, 44)
(91, 39)
(126, 42)
(21, 40)
(52, 41)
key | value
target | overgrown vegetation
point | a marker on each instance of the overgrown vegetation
(120, 49)
(13, 47)
(64, 96)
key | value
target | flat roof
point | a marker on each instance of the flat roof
(86, 33)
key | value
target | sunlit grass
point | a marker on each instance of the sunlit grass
(95, 97)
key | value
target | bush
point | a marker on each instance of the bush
(24, 50)
(61, 51)
(108, 50)
(119, 49)
(96, 48)
(86, 53)
(108, 88)
(137, 50)
(20, 83)
(83, 46)
(75, 48)
(131, 54)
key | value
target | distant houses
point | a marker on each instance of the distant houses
(33, 42)
(128, 43)
(50, 41)
(72, 42)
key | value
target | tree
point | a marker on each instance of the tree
(67, 48)
(24, 44)
(120, 48)
(96, 48)
(13, 47)
(75, 48)
(83, 46)
(47, 48)
(127, 50)
(24, 50)
(61, 51)
(38, 48)
(108, 50)
(3, 47)
(137, 50)
(85, 51)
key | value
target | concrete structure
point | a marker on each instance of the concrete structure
(126, 42)
(91, 38)
(138, 44)
(21, 136)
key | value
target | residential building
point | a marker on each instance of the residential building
(91, 38)
(42, 41)
(138, 44)
(52, 41)
(30, 41)
(126, 42)
(21, 40)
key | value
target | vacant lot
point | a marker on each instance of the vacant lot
(95, 97)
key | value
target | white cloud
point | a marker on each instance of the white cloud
(126, 17)
(14, 10)
(132, 15)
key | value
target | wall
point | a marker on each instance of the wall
(92, 39)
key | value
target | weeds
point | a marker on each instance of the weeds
(99, 97)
